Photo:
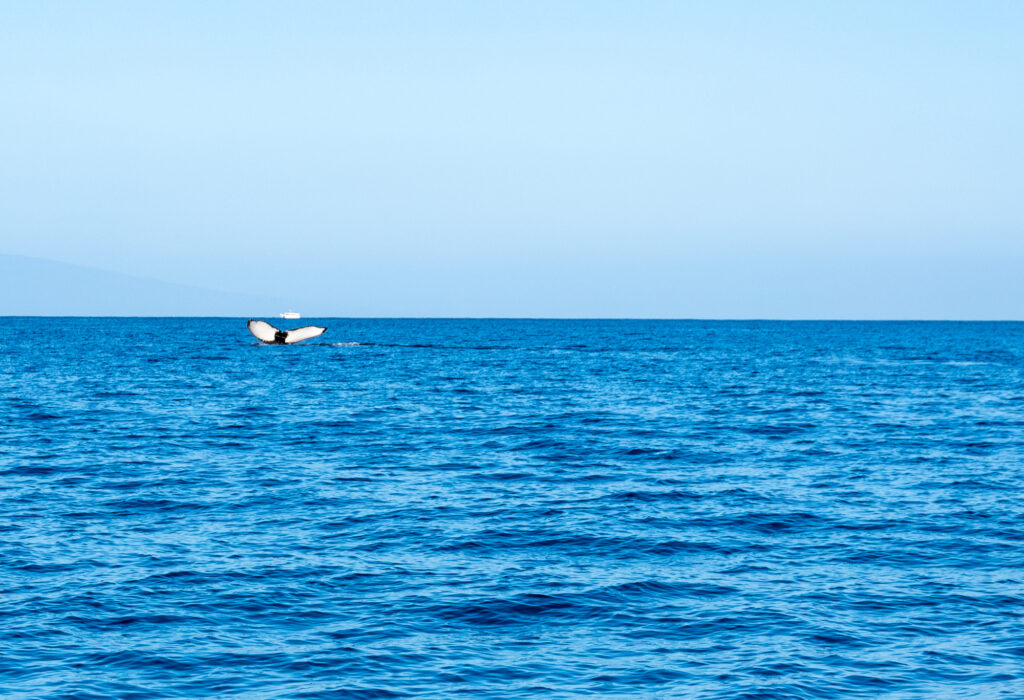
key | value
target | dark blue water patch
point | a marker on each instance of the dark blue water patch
(507, 509)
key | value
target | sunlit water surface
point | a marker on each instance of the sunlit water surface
(507, 509)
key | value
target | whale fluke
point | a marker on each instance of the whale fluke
(272, 336)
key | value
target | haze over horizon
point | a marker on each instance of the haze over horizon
(546, 160)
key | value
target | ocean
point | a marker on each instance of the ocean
(511, 509)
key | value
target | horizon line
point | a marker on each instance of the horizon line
(541, 318)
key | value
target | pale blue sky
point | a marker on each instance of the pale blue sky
(727, 159)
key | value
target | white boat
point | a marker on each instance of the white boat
(291, 314)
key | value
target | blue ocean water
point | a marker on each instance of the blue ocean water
(510, 509)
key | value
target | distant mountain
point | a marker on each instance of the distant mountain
(38, 287)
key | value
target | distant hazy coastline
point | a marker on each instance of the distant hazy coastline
(39, 287)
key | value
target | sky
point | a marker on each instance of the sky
(546, 159)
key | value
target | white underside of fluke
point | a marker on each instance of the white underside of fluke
(272, 336)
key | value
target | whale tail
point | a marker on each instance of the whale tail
(272, 336)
